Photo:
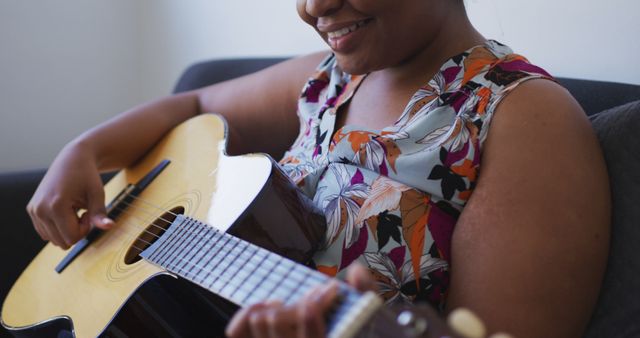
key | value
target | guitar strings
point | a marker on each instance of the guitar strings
(237, 291)
(150, 213)
(151, 224)
(181, 235)
(227, 279)
(136, 226)
(151, 205)
(185, 233)
(131, 205)
(208, 245)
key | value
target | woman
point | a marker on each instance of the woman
(448, 167)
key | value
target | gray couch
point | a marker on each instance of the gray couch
(618, 311)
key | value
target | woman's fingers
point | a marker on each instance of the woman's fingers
(360, 278)
(263, 320)
(66, 222)
(313, 308)
(96, 206)
(52, 232)
(310, 319)
(277, 320)
(71, 183)
(305, 318)
(37, 224)
(239, 325)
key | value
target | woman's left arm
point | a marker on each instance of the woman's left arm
(530, 248)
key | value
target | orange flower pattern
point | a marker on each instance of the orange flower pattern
(392, 197)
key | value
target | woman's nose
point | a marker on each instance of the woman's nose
(319, 8)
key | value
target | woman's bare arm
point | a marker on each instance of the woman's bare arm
(258, 119)
(260, 109)
(530, 248)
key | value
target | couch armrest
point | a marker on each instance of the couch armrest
(209, 72)
(20, 242)
(596, 96)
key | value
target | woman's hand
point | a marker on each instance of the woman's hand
(72, 183)
(302, 319)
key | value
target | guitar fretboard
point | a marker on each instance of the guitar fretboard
(242, 272)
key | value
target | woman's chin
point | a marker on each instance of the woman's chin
(352, 65)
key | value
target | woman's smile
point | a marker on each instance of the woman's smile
(343, 37)
(370, 35)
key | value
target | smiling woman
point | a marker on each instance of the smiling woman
(367, 35)
(445, 165)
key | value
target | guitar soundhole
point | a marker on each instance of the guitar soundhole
(151, 233)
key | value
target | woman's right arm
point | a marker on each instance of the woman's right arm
(259, 107)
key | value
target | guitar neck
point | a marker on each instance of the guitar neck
(246, 274)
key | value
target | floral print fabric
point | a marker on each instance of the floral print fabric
(392, 197)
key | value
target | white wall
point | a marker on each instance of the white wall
(590, 39)
(177, 34)
(66, 65)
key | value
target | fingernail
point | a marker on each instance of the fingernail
(104, 222)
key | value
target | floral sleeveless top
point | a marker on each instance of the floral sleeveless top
(392, 197)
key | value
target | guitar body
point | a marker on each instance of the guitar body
(244, 195)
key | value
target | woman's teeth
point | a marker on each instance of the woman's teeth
(344, 31)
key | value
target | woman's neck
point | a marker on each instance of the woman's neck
(455, 36)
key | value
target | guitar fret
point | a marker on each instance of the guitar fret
(278, 293)
(236, 265)
(215, 260)
(262, 279)
(280, 284)
(179, 237)
(291, 283)
(227, 239)
(254, 264)
(204, 250)
(161, 256)
(242, 299)
(209, 255)
(223, 277)
(237, 294)
(185, 240)
(262, 271)
(158, 248)
(294, 292)
(181, 255)
(255, 296)
(284, 267)
(198, 248)
(271, 273)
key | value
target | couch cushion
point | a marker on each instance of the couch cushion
(596, 96)
(618, 311)
(209, 72)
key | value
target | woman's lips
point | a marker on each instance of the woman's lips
(341, 39)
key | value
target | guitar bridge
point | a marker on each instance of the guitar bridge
(114, 209)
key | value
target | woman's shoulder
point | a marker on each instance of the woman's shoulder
(496, 66)
(541, 207)
(520, 85)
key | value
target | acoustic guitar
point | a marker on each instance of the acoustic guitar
(235, 226)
